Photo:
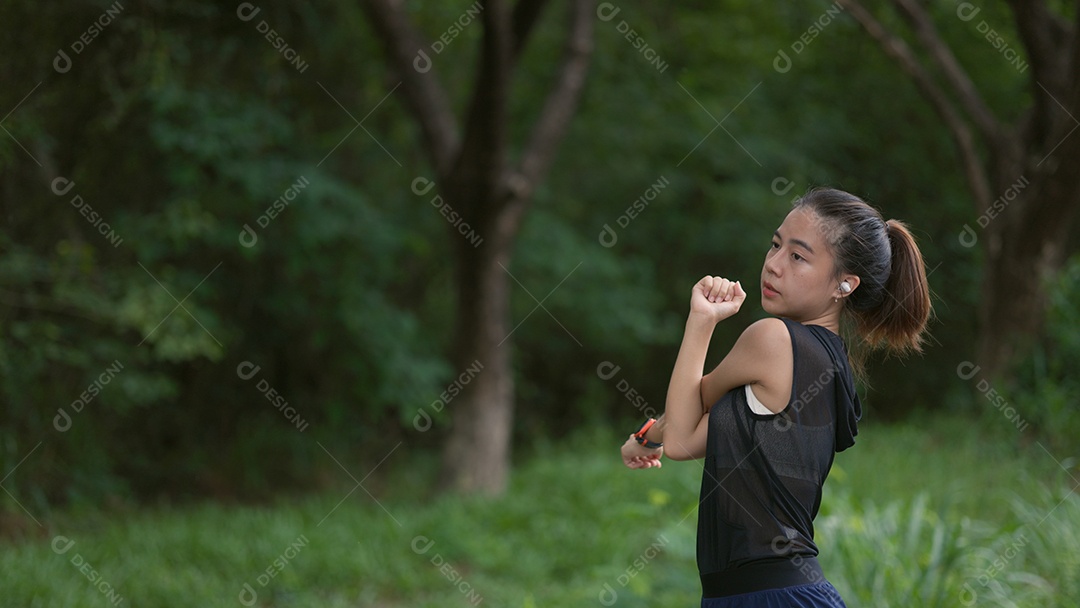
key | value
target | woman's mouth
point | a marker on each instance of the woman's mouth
(768, 290)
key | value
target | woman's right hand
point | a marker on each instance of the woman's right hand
(716, 298)
(637, 456)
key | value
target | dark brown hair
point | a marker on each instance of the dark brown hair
(891, 305)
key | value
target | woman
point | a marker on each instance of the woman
(769, 419)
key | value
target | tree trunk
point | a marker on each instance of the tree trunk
(477, 178)
(1026, 238)
(1026, 248)
(477, 453)
(1014, 298)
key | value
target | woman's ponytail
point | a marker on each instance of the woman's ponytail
(891, 305)
(898, 323)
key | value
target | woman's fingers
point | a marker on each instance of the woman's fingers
(718, 289)
(644, 462)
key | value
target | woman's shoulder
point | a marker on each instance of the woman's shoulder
(768, 336)
(769, 329)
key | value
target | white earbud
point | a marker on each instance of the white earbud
(845, 287)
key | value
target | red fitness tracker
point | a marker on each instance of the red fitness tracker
(639, 435)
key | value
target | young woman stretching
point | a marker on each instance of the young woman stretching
(771, 416)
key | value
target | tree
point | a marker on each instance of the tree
(477, 176)
(1022, 177)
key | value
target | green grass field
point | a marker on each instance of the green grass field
(935, 513)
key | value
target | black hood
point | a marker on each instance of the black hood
(848, 407)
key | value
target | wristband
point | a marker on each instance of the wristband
(639, 435)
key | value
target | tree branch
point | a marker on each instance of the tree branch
(1043, 35)
(483, 148)
(561, 102)
(899, 51)
(955, 75)
(526, 14)
(424, 96)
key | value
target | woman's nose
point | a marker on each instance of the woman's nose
(772, 268)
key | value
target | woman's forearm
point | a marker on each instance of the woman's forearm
(683, 408)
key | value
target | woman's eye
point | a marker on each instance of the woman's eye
(796, 257)
(775, 245)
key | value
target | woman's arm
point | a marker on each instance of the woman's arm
(712, 300)
(683, 428)
(761, 356)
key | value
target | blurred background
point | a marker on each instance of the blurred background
(352, 303)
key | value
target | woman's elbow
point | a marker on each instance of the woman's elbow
(685, 445)
(680, 454)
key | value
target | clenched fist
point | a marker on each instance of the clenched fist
(716, 298)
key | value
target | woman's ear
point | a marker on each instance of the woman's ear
(852, 282)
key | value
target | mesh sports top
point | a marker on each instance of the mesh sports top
(761, 485)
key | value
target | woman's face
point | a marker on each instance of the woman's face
(798, 279)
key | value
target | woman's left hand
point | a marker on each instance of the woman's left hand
(637, 456)
(716, 298)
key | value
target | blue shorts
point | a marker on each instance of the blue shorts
(814, 595)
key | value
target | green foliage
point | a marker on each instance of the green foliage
(189, 146)
(1045, 390)
(574, 515)
(181, 124)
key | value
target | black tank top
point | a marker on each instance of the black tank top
(761, 485)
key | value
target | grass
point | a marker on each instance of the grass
(926, 513)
